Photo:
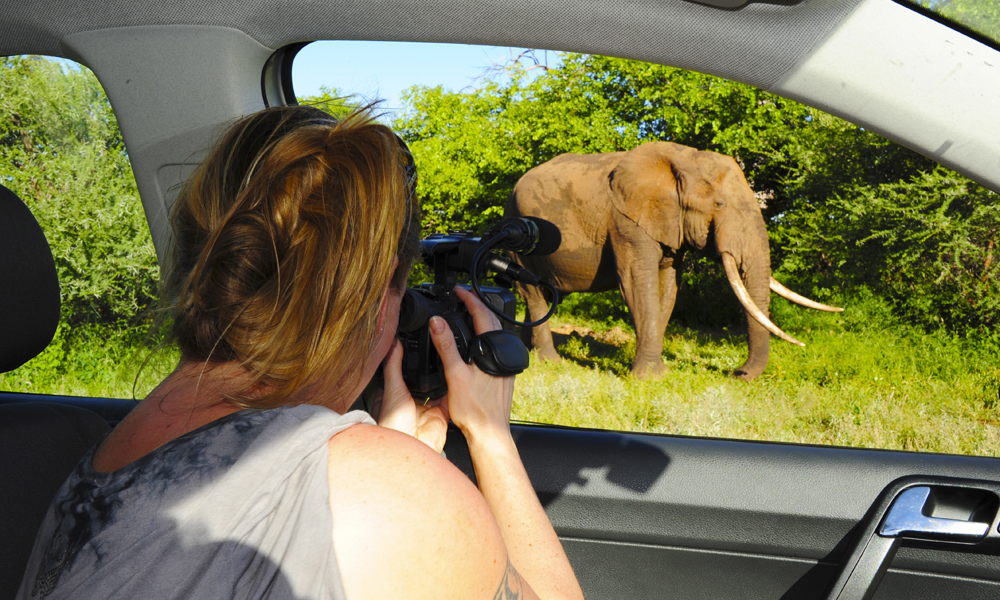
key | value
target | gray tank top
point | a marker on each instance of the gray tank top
(238, 508)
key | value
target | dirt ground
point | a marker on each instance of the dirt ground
(599, 343)
(614, 337)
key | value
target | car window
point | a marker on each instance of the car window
(62, 153)
(981, 17)
(852, 220)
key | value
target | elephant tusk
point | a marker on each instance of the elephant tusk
(788, 294)
(733, 274)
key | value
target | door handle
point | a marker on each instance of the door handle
(906, 510)
(906, 518)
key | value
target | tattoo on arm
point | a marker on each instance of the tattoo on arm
(510, 585)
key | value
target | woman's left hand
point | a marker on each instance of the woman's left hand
(399, 411)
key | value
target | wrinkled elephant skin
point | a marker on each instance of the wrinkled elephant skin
(626, 219)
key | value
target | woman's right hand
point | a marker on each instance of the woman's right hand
(478, 403)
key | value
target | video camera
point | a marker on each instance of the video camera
(498, 352)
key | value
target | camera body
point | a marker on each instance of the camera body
(500, 353)
(422, 368)
(447, 255)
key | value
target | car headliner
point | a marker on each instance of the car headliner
(175, 71)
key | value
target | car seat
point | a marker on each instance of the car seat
(40, 442)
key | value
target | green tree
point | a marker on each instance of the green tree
(844, 206)
(927, 243)
(472, 147)
(331, 100)
(62, 152)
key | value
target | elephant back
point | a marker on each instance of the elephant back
(563, 181)
(570, 191)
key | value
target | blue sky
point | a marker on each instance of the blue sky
(384, 69)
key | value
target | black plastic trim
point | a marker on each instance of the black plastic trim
(113, 410)
(682, 517)
(276, 77)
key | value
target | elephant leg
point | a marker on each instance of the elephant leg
(759, 339)
(540, 337)
(640, 281)
(670, 282)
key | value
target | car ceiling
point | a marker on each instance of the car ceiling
(176, 71)
(759, 42)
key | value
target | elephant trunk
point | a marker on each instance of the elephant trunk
(754, 284)
(733, 274)
(742, 242)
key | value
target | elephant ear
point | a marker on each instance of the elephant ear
(645, 187)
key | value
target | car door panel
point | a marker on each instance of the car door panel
(625, 570)
(646, 515)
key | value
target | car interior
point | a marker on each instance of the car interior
(640, 515)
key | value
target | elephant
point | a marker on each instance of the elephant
(626, 220)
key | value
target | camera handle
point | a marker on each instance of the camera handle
(499, 353)
(477, 258)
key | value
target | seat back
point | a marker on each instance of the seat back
(40, 443)
(29, 286)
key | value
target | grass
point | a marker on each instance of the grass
(94, 361)
(863, 379)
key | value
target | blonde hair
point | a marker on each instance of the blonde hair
(283, 250)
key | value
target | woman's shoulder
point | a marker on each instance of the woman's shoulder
(373, 454)
(302, 424)
(397, 503)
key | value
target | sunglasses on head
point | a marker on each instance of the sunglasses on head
(409, 168)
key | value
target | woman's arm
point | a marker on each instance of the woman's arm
(479, 404)
(407, 523)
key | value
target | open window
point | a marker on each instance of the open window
(846, 215)
(61, 151)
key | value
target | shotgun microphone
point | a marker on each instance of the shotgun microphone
(528, 235)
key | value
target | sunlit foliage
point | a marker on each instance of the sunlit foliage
(844, 206)
(62, 153)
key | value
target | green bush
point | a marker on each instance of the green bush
(601, 310)
(926, 243)
(62, 153)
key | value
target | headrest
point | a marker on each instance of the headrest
(29, 286)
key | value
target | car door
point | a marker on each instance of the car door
(657, 516)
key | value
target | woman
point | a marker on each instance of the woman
(243, 474)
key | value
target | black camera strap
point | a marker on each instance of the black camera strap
(520, 275)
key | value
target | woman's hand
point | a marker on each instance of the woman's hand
(478, 403)
(399, 411)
